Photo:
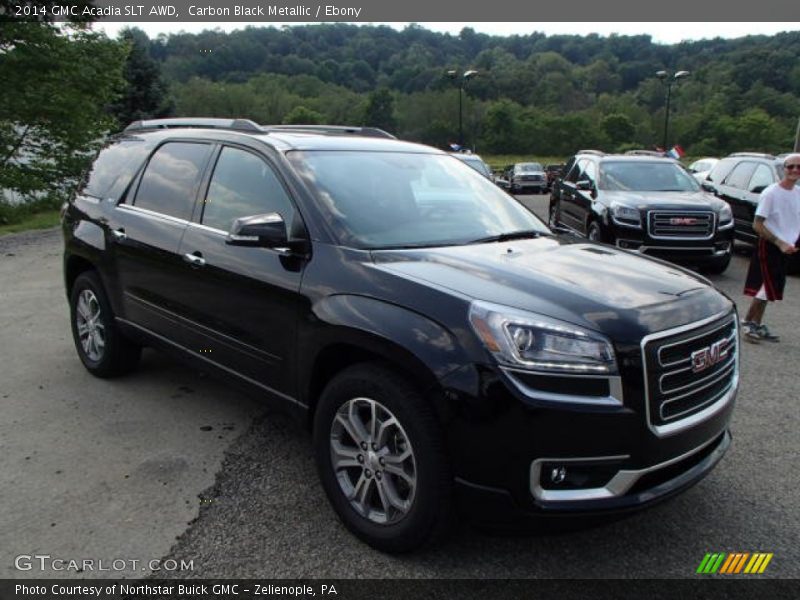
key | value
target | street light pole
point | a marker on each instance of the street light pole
(465, 76)
(669, 81)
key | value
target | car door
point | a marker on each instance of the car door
(146, 231)
(243, 301)
(733, 190)
(570, 215)
(584, 198)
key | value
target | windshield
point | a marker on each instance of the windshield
(377, 200)
(529, 167)
(478, 164)
(645, 177)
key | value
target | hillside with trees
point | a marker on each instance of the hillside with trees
(533, 94)
(65, 87)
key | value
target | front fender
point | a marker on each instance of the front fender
(421, 347)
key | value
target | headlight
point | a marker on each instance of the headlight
(529, 341)
(725, 216)
(625, 215)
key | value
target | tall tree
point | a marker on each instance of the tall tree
(56, 84)
(380, 110)
(145, 95)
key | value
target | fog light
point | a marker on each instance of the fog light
(558, 474)
(578, 475)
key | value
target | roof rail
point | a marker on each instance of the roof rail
(752, 155)
(331, 130)
(197, 122)
(644, 153)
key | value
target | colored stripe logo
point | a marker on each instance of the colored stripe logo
(734, 563)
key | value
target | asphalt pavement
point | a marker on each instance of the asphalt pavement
(168, 464)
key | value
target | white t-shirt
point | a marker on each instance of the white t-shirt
(781, 211)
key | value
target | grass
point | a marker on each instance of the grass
(39, 220)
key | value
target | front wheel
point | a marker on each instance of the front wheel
(380, 456)
(552, 221)
(594, 232)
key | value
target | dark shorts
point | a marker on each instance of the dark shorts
(767, 269)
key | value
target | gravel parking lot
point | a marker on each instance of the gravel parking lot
(166, 463)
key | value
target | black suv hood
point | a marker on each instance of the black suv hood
(588, 284)
(665, 200)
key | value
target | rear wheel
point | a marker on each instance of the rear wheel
(381, 459)
(102, 348)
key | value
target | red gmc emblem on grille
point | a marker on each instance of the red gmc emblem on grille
(710, 355)
(682, 221)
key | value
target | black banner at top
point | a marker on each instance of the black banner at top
(365, 11)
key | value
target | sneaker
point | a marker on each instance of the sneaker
(767, 335)
(751, 332)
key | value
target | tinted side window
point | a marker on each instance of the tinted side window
(170, 181)
(719, 172)
(740, 175)
(761, 178)
(243, 185)
(114, 168)
(575, 173)
(589, 171)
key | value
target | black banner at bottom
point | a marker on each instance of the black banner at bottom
(711, 588)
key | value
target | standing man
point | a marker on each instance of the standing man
(777, 224)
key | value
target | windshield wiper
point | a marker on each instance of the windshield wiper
(513, 235)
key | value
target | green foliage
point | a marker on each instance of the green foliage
(145, 95)
(380, 110)
(300, 115)
(533, 94)
(56, 84)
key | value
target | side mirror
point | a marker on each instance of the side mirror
(709, 187)
(263, 231)
(584, 185)
(758, 189)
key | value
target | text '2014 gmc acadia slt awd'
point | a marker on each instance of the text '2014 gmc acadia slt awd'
(444, 346)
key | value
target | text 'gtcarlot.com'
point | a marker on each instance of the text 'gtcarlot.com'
(45, 562)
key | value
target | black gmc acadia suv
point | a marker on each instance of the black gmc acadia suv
(442, 344)
(645, 204)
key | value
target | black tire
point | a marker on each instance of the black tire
(118, 355)
(594, 232)
(717, 267)
(427, 517)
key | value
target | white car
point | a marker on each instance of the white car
(701, 168)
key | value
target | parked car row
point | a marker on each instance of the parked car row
(446, 349)
(647, 204)
(739, 179)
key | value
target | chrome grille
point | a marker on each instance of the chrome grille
(680, 224)
(689, 371)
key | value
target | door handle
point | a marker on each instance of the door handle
(119, 234)
(195, 259)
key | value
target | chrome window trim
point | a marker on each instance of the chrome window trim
(615, 397)
(617, 486)
(213, 230)
(146, 212)
(669, 429)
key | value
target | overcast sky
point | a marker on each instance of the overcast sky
(665, 33)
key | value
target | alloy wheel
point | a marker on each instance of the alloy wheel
(373, 461)
(91, 329)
